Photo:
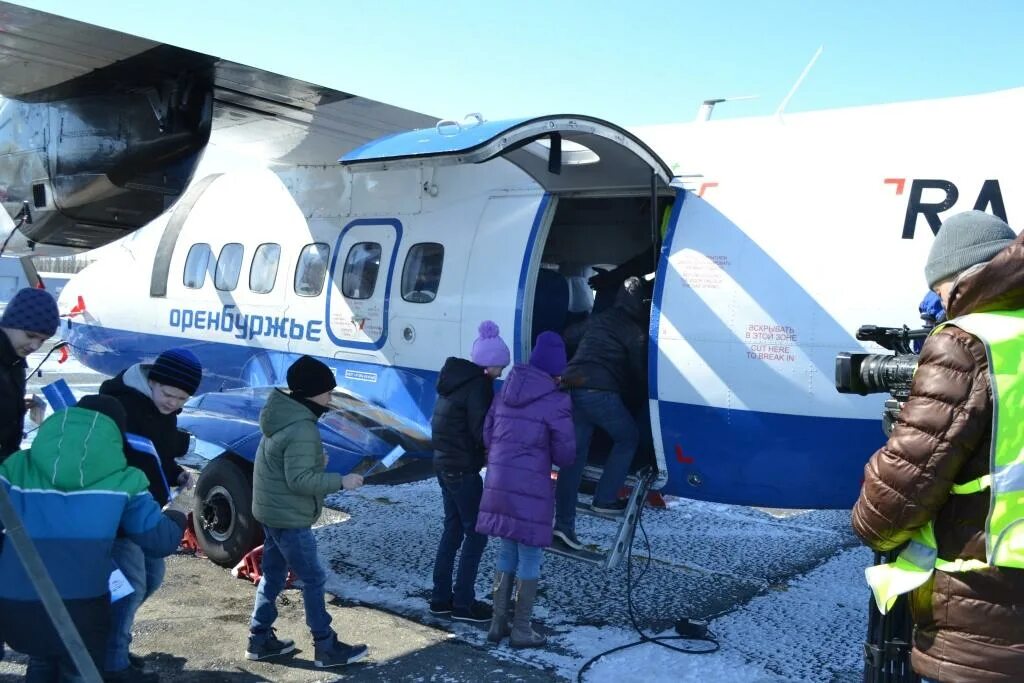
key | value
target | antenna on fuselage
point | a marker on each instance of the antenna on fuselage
(707, 106)
(803, 75)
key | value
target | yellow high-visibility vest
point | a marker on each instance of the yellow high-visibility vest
(1003, 335)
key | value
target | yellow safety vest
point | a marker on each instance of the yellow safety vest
(1003, 336)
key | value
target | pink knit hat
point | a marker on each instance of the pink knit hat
(489, 349)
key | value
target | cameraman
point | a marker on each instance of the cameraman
(929, 484)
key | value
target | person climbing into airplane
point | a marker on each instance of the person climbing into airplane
(74, 492)
(527, 431)
(152, 396)
(606, 376)
(465, 390)
(30, 319)
(289, 485)
(947, 483)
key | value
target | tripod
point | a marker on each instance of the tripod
(889, 639)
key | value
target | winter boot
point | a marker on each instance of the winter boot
(523, 634)
(501, 620)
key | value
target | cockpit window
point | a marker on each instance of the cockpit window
(421, 274)
(229, 264)
(311, 269)
(359, 278)
(196, 265)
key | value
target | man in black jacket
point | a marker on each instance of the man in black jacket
(152, 396)
(465, 390)
(29, 320)
(607, 375)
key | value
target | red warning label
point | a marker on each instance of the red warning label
(771, 342)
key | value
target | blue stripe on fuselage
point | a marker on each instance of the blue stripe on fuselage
(739, 456)
(745, 457)
(407, 392)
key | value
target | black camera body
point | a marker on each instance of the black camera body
(873, 373)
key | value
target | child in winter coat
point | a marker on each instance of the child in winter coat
(152, 397)
(288, 489)
(465, 390)
(73, 491)
(528, 429)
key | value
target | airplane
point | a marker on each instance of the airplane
(378, 239)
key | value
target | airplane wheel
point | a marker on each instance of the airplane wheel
(225, 527)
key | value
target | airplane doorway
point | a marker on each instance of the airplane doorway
(593, 244)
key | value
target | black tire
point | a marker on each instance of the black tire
(225, 527)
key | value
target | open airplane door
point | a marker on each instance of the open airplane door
(562, 154)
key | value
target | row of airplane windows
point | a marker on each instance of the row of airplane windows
(421, 272)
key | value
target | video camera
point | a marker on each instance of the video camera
(872, 373)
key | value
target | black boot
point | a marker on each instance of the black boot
(523, 634)
(502, 597)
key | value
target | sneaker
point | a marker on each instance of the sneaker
(616, 507)
(568, 538)
(336, 653)
(478, 612)
(441, 608)
(264, 645)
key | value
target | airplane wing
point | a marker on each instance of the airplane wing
(101, 131)
(44, 57)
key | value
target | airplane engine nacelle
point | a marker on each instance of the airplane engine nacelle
(95, 166)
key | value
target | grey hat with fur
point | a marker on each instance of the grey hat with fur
(965, 240)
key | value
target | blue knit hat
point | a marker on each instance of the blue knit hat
(32, 310)
(549, 353)
(177, 368)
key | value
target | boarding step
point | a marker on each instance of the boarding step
(627, 520)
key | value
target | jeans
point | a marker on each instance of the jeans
(590, 409)
(145, 574)
(461, 493)
(294, 549)
(519, 559)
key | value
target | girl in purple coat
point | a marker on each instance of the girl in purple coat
(528, 429)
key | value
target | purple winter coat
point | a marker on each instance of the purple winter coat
(528, 429)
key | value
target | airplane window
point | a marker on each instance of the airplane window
(196, 265)
(360, 276)
(263, 271)
(421, 274)
(229, 264)
(311, 269)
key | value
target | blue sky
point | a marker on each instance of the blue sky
(633, 62)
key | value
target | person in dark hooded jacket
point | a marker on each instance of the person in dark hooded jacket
(465, 390)
(606, 376)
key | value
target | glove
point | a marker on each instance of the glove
(351, 481)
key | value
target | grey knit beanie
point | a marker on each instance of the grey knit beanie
(964, 240)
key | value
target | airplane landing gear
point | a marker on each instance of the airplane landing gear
(225, 527)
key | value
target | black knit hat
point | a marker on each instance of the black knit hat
(177, 368)
(309, 377)
(32, 310)
(106, 405)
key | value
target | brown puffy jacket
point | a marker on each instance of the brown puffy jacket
(970, 625)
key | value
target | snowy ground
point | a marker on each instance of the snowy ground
(785, 594)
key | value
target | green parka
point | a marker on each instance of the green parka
(289, 481)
